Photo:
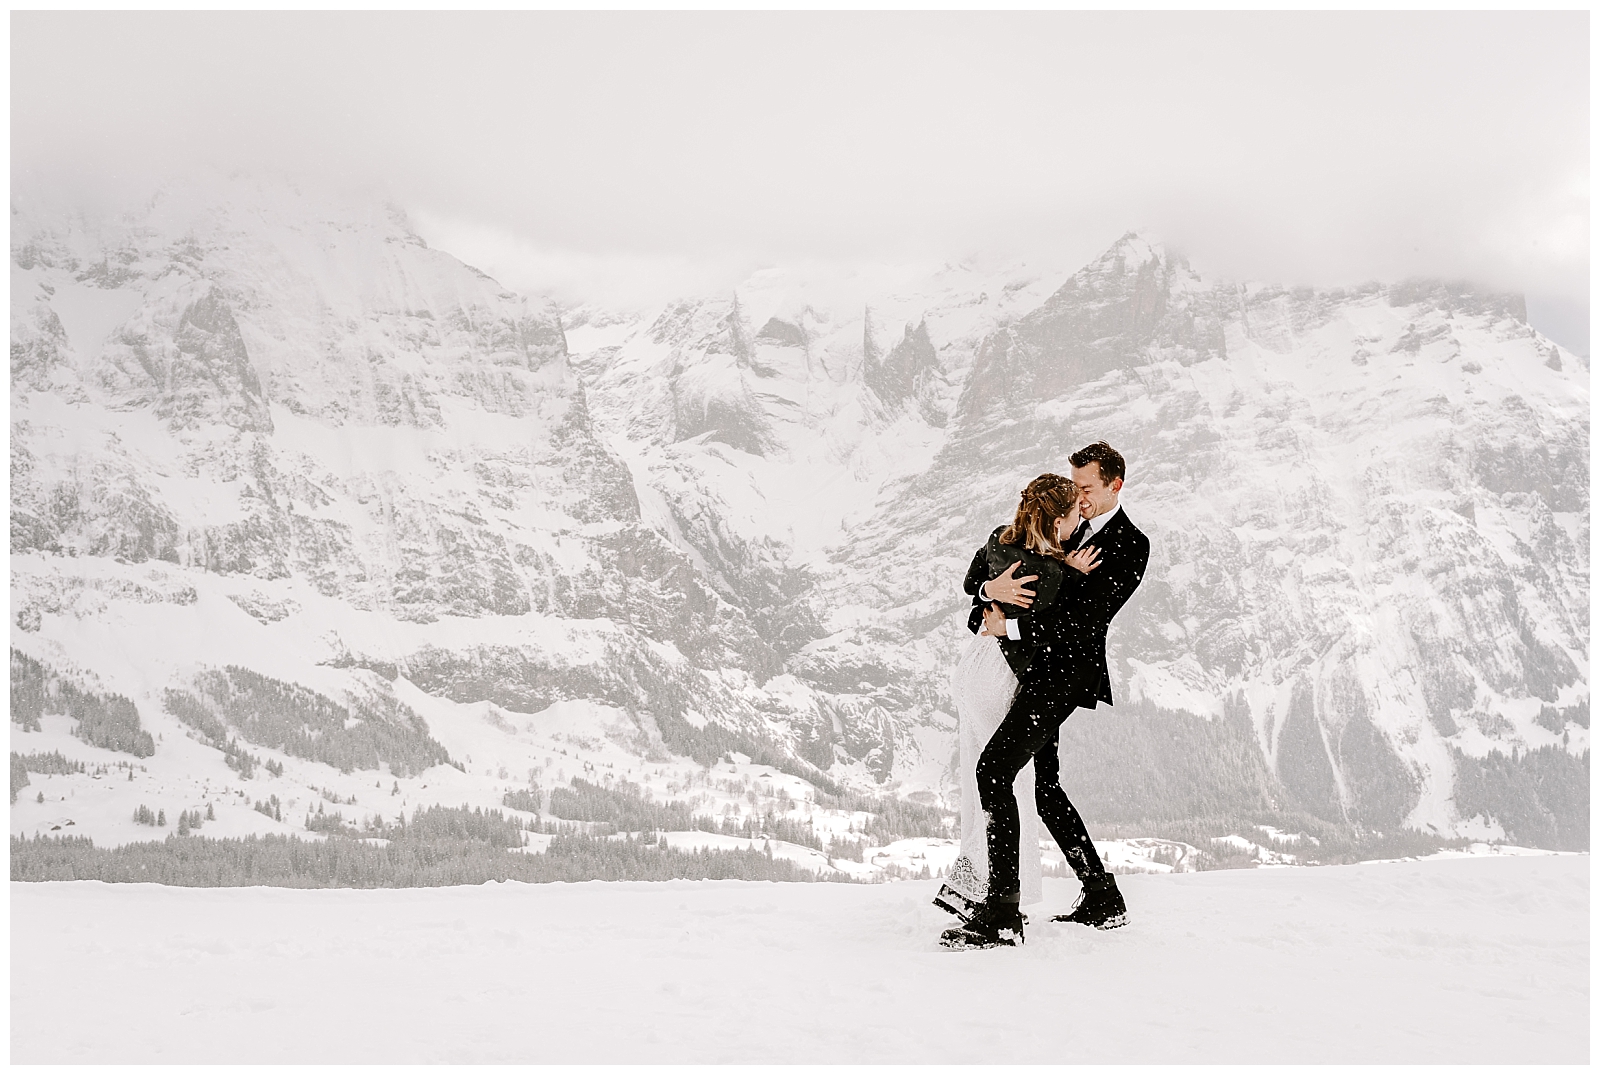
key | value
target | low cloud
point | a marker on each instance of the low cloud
(631, 147)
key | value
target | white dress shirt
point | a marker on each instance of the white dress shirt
(1098, 523)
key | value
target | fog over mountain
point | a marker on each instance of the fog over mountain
(1314, 148)
(292, 484)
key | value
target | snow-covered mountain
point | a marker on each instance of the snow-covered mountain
(1368, 593)
(274, 455)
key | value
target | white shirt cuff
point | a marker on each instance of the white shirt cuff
(983, 592)
(1013, 630)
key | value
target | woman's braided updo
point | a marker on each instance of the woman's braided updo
(1047, 498)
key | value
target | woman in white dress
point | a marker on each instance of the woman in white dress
(985, 678)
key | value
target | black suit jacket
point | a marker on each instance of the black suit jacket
(1069, 637)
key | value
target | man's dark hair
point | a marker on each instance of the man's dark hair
(1111, 463)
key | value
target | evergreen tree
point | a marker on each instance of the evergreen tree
(53, 762)
(292, 862)
(303, 723)
(161, 819)
(109, 721)
(19, 776)
(29, 689)
(521, 799)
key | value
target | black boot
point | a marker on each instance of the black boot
(1100, 905)
(997, 922)
(948, 899)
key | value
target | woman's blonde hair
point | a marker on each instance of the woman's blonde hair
(1047, 498)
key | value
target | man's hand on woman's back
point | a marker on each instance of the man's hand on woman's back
(1009, 590)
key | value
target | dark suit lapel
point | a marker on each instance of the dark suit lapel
(1110, 532)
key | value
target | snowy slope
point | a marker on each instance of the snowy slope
(1467, 960)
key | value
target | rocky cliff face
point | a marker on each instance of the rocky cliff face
(252, 396)
(254, 430)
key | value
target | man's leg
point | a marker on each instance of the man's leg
(1101, 904)
(1060, 816)
(1031, 721)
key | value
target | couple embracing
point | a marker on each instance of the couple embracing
(1043, 590)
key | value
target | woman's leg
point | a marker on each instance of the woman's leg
(982, 687)
(1029, 870)
(970, 873)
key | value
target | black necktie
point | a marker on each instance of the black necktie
(1078, 535)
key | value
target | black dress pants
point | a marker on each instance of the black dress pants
(1031, 731)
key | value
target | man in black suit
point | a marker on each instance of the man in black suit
(1068, 671)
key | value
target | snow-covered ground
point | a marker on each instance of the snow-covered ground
(1452, 960)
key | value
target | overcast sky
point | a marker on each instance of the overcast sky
(575, 150)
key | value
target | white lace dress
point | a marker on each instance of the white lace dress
(982, 687)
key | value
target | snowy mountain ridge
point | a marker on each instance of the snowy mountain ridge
(253, 430)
